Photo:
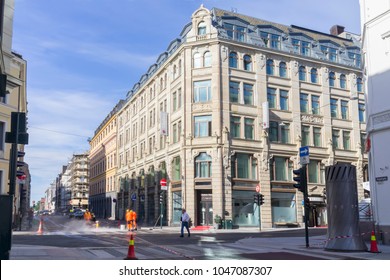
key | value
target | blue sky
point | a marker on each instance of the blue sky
(84, 55)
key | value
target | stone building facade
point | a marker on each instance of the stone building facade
(226, 108)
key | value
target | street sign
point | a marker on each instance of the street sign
(258, 188)
(133, 197)
(163, 184)
(304, 155)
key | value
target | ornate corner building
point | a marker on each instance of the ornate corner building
(226, 108)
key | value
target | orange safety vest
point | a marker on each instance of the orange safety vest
(128, 216)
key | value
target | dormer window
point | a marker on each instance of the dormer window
(330, 53)
(301, 47)
(235, 32)
(202, 28)
(270, 40)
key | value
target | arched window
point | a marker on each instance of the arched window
(359, 84)
(203, 166)
(343, 81)
(270, 67)
(283, 69)
(314, 75)
(247, 62)
(207, 59)
(202, 28)
(332, 79)
(197, 60)
(179, 68)
(302, 73)
(233, 62)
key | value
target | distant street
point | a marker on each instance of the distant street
(109, 242)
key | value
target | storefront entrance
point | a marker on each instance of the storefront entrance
(204, 208)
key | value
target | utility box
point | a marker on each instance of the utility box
(343, 209)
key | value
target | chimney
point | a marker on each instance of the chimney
(336, 30)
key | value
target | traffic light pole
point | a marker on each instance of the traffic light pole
(259, 218)
(306, 206)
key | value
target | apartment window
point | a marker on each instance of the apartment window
(283, 99)
(273, 132)
(207, 59)
(333, 108)
(235, 32)
(248, 94)
(302, 73)
(335, 138)
(203, 166)
(202, 91)
(270, 67)
(235, 128)
(233, 60)
(316, 172)
(174, 101)
(202, 126)
(332, 79)
(174, 133)
(357, 58)
(202, 28)
(281, 169)
(314, 75)
(178, 130)
(271, 40)
(197, 60)
(330, 53)
(344, 110)
(305, 135)
(279, 132)
(179, 98)
(283, 69)
(249, 128)
(347, 140)
(247, 62)
(244, 166)
(362, 112)
(363, 137)
(304, 102)
(343, 81)
(359, 84)
(176, 169)
(271, 97)
(301, 47)
(317, 136)
(315, 104)
(234, 90)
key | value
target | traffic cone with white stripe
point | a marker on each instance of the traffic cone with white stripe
(374, 246)
(130, 252)
(40, 228)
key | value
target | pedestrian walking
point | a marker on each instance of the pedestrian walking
(185, 220)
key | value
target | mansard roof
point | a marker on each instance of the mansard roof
(288, 30)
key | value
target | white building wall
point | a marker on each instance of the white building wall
(375, 17)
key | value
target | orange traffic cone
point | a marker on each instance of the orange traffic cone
(40, 228)
(374, 246)
(131, 253)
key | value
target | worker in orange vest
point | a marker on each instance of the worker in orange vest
(128, 219)
(134, 220)
(87, 216)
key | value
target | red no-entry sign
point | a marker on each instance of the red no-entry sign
(163, 184)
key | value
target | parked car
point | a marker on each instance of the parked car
(78, 214)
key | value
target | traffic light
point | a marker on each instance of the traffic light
(162, 197)
(19, 165)
(300, 179)
(261, 199)
(256, 198)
